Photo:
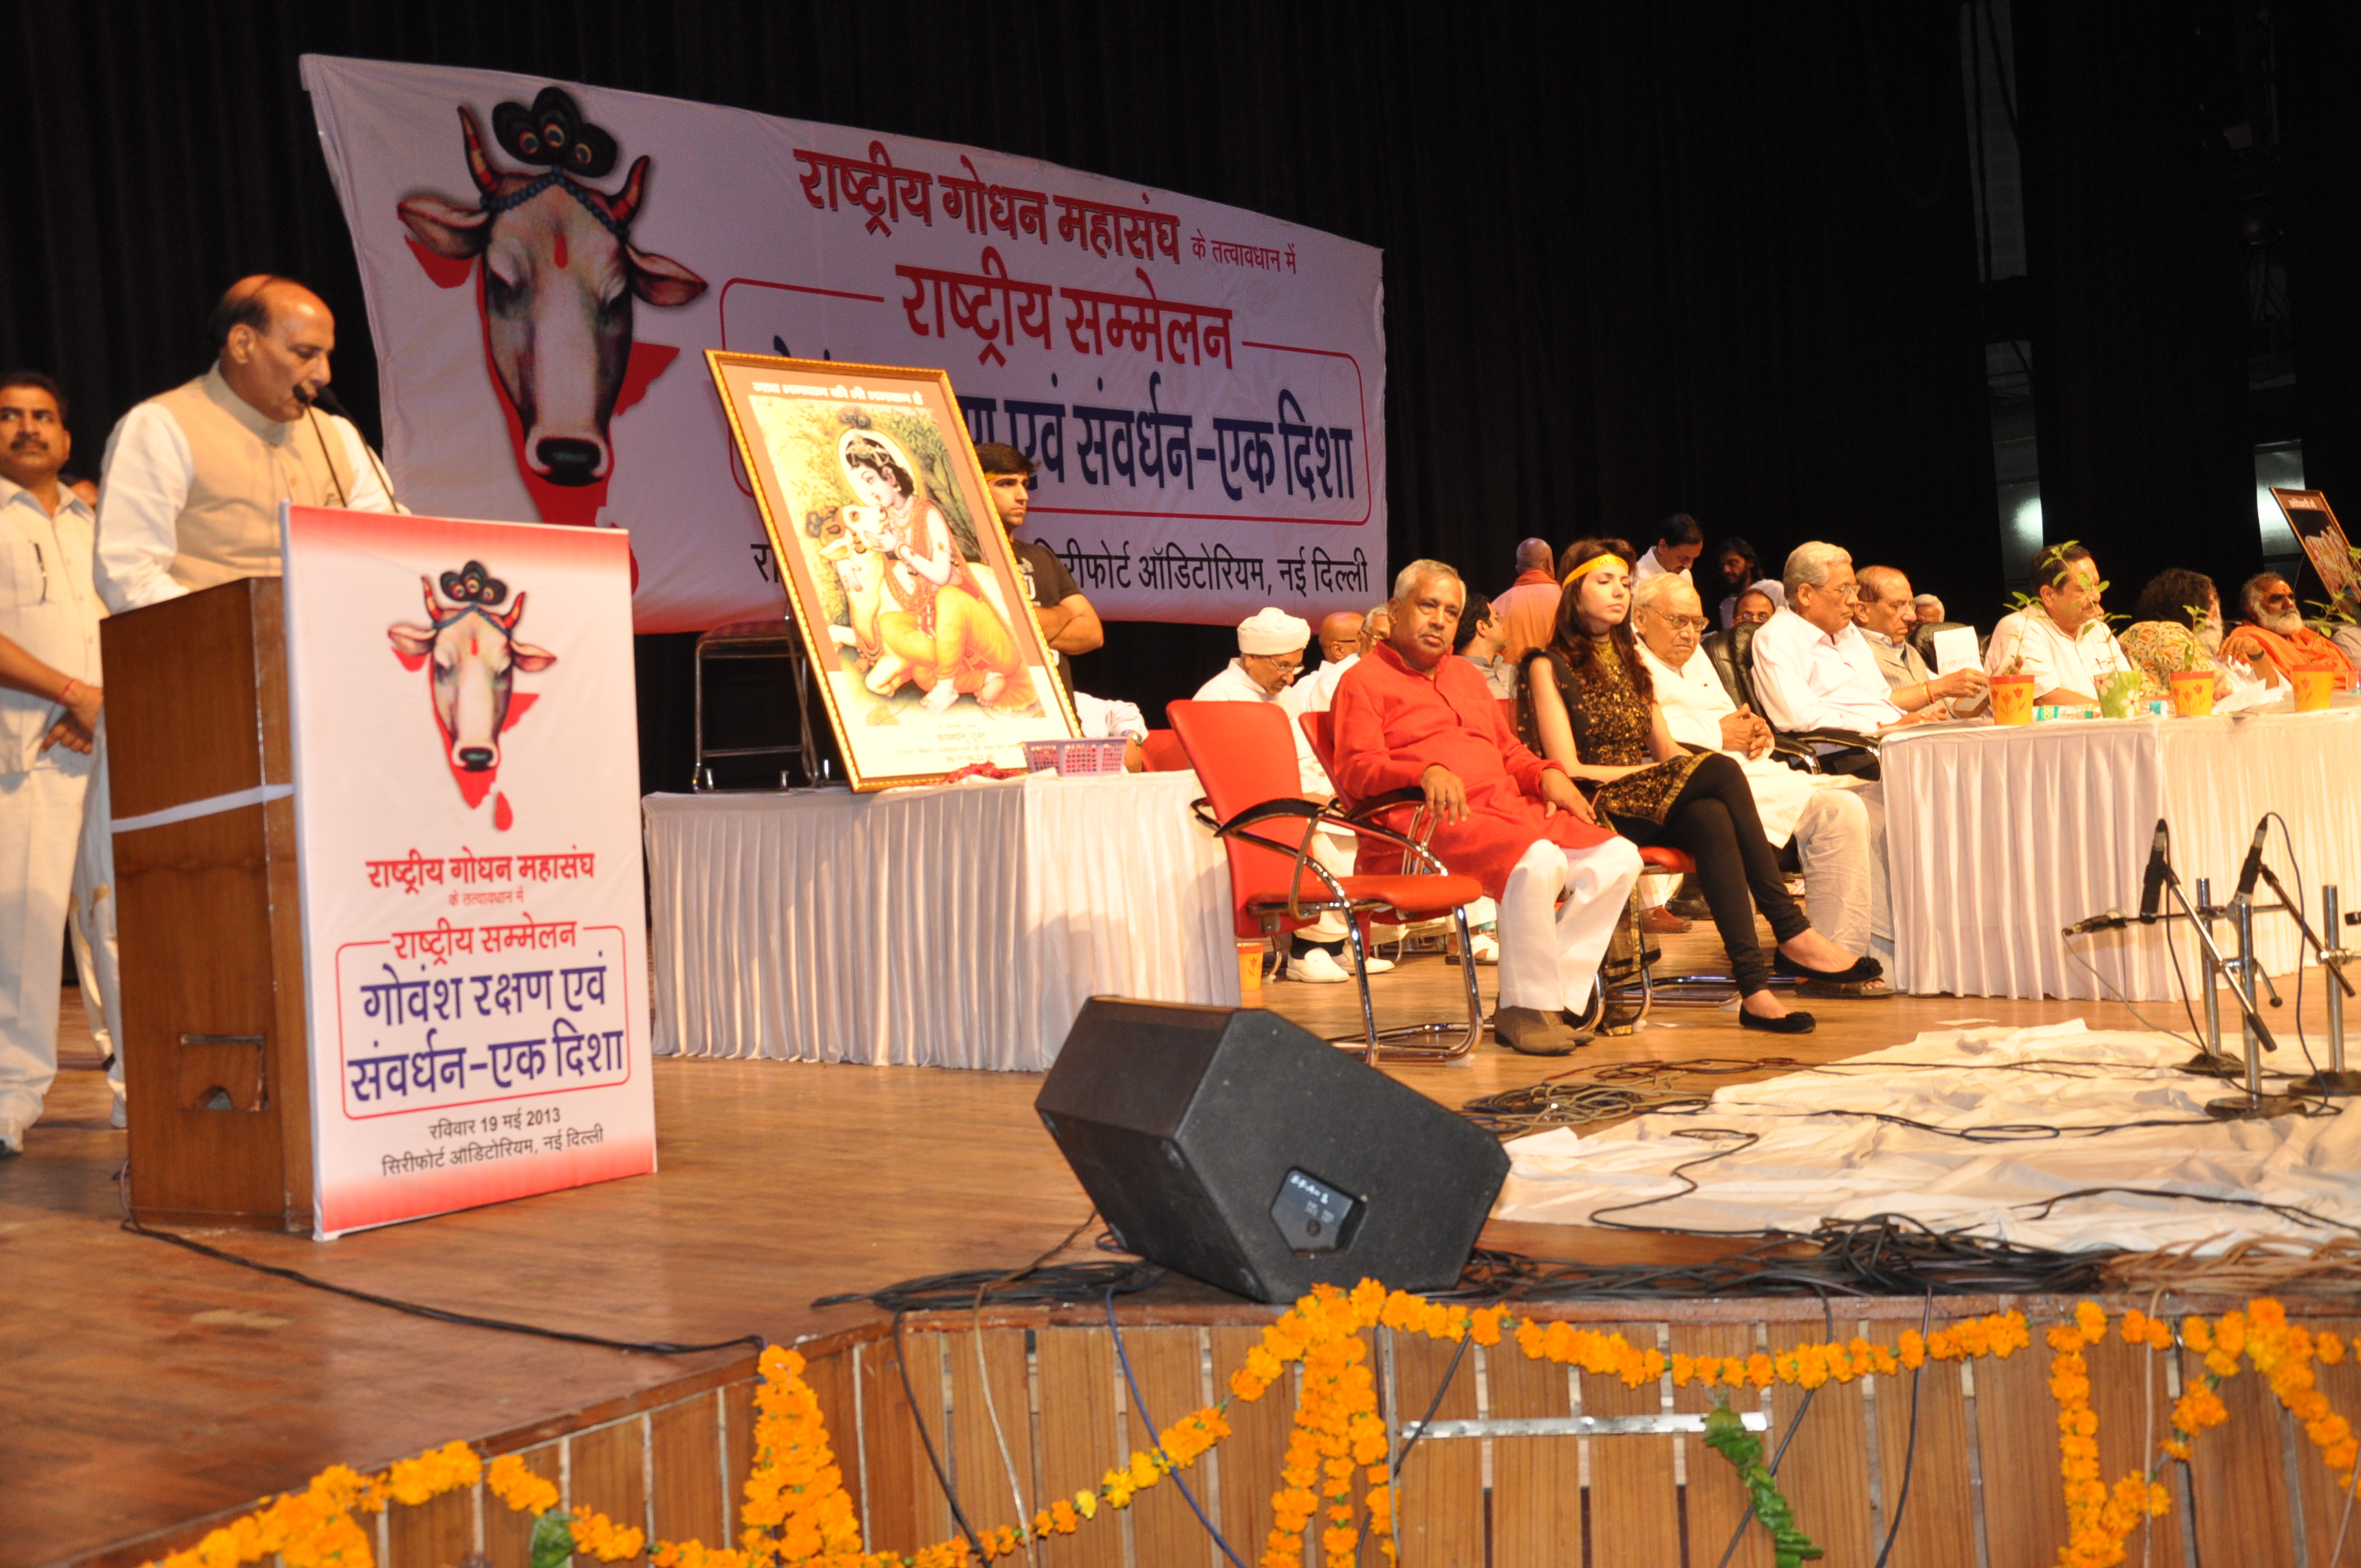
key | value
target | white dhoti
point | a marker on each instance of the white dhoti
(1550, 949)
(93, 927)
(1841, 839)
(40, 826)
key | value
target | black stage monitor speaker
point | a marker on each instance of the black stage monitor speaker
(1233, 1146)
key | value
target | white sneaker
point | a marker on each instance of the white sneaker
(1317, 968)
(119, 1117)
(1320, 967)
(12, 1136)
(1485, 946)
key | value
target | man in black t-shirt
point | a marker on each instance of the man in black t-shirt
(1068, 624)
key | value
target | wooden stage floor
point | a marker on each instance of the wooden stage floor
(146, 1386)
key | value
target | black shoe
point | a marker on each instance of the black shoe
(1690, 906)
(1792, 1024)
(1863, 969)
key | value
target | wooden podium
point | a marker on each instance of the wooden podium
(216, 1063)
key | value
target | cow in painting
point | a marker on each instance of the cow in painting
(560, 275)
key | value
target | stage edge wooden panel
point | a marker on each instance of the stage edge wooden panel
(1982, 1484)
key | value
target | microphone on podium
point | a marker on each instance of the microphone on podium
(326, 398)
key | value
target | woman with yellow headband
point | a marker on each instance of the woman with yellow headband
(1590, 708)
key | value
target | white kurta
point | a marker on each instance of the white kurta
(1695, 703)
(2054, 660)
(50, 607)
(145, 481)
(1810, 679)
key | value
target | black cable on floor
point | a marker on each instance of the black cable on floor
(934, 1460)
(1154, 1434)
(1910, 1453)
(1792, 1427)
(416, 1309)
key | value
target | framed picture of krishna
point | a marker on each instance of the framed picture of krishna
(914, 614)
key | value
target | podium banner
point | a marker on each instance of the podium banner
(1202, 388)
(466, 815)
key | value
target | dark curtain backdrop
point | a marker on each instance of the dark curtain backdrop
(2138, 307)
(1639, 256)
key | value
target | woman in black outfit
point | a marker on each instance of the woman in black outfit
(1590, 708)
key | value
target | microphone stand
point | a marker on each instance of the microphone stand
(2334, 1079)
(2253, 1105)
(2210, 1060)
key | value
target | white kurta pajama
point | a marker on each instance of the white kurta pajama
(48, 608)
(1839, 832)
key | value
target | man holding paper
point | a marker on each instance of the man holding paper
(1886, 611)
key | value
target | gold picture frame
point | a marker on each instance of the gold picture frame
(912, 609)
(2314, 522)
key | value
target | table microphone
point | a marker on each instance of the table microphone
(2253, 866)
(2152, 887)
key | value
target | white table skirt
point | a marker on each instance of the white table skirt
(1997, 839)
(956, 926)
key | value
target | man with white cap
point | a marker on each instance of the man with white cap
(1270, 654)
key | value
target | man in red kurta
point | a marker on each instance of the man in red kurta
(1411, 714)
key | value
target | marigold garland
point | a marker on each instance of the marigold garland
(797, 1514)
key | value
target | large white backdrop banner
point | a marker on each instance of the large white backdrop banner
(467, 817)
(1202, 387)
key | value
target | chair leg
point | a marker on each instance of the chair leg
(1376, 1043)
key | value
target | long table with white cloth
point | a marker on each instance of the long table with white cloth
(1998, 838)
(961, 926)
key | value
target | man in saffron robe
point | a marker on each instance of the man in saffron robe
(1409, 713)
(2271, 635)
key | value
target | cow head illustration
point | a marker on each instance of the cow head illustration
(559, 277)
(474, 655)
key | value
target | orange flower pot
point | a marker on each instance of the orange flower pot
(2192, 693)
(2011, 699)
(2312, 689)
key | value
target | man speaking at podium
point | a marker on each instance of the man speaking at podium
(189, 495)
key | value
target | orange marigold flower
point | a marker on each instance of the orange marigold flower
(2091, 1319)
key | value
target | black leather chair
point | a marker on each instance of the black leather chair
(1924, 639)
(1729, 653)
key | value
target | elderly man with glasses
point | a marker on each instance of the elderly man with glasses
(1813, 668)
(1839, 830)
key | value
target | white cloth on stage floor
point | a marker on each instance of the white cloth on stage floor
(1822, 1153)
(1550, 951)
(955, 925)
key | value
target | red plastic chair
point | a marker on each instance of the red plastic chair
(1246, 760)
(1163, 754)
